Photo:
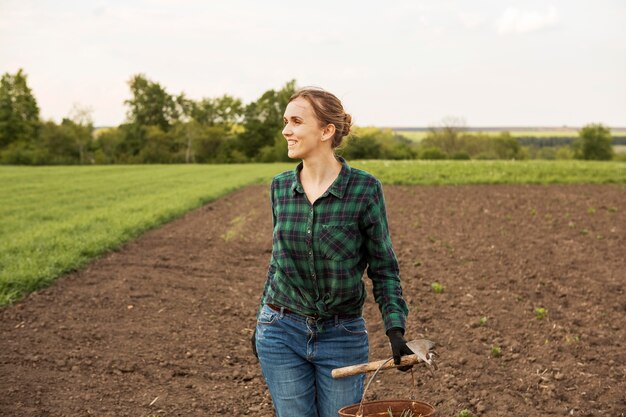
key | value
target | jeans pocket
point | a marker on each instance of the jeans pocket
(267, 316)
(354, 326)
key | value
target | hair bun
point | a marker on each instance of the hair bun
(347, 123)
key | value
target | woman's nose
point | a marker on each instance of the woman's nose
(287, 130)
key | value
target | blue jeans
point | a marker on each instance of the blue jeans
(297, 359)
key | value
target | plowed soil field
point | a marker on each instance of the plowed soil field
(161, 327)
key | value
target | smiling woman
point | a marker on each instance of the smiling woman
(305, 116)
(330, 224)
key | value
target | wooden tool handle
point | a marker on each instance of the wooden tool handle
(372, 366)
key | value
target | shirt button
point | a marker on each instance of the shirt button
(308, 231)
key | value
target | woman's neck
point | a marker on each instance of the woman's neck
(320, 169)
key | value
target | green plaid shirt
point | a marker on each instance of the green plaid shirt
(320, 251)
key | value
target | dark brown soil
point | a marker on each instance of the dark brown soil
(162, 326)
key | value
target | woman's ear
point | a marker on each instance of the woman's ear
(328, 132)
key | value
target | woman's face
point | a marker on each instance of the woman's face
(302, 130)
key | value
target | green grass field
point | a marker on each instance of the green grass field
(55, 219)
(448, 172)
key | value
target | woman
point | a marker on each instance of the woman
(330, 224)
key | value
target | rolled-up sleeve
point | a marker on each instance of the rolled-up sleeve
(383, 268)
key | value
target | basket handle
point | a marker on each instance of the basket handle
(381, 365)
(384, 364)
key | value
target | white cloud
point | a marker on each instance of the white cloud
(519, 21)
(403, 65)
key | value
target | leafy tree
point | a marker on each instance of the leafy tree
(107, 144)
(81, 122)
(23, 153)
(262, 119)
(134, 139)
(594, 143)
(376, 143)
(446, 136)
(564, 152)
(432, 152)
(151, 105)
(208, 118)
(222, 111)
(361, 144)
(19, 113)
(506, 146)
(460, 156)
(396, 146)
(59, 142)
(159, 147)
(275, 153)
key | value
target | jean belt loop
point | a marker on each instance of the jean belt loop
(336, 320)
(282, 312)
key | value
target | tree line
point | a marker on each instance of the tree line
(165, 128)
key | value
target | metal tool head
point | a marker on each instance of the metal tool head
(422, 348)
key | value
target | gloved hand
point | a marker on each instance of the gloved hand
(398, 346)
(253, 340)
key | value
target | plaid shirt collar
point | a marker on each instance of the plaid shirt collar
(338, 188)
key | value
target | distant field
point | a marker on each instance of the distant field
(418, 135)
(55, 219)
(447, 172)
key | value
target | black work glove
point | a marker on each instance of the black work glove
(253, 340)
(398, 346)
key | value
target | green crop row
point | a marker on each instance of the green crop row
(55, 219)
(449, 172)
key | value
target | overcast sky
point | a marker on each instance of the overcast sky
(393, 63)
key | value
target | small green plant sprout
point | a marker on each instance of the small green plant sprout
(612, 209)
(496, 351)
(417, 263)
(405, 413)
(591, 210)
(533, 211)
(437, 287)
(465, 413)
(540, 313)
(482, 321)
